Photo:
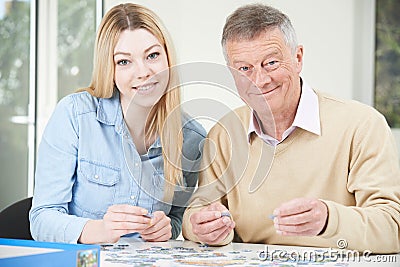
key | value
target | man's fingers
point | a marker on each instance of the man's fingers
(204, 216)
(304, 233)
(301, 217)
(295, 219)
(211, 226)
(295, 206)
(298, 228)
(217, 235)
(216, 206)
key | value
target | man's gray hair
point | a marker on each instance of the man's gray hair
(249, 21)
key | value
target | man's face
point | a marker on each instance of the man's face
(266, 72)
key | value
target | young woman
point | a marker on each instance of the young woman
(119, 157)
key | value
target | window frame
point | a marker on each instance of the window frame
(43, 73)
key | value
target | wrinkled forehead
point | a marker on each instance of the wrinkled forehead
(266, 40)
(246, 35)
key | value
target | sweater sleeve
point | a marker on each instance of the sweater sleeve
(374, 178)
(211, 187)
(181, 199)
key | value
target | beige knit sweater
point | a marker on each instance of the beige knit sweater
(353, 167)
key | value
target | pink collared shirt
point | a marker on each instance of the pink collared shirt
(307, 118)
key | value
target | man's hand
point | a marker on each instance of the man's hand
(159, 228)
(209, 226)
(301, 217)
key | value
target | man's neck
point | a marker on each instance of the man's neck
(275, 123)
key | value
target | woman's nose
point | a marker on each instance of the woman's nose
(142, 71)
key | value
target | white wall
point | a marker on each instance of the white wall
(337, 35)
(338, 38)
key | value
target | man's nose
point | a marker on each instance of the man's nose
(261, 77)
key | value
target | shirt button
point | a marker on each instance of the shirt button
(96, 176)
(136, 164)
(133, 197)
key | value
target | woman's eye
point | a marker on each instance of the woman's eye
(273, 62)
(153, 55)
(245, 68)
(122, 62)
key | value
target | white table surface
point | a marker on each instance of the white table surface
(135, 252)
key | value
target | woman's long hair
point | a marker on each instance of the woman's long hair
(165, 116)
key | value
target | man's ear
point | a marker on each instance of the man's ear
(299, 58)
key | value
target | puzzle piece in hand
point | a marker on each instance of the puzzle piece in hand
(225, 214)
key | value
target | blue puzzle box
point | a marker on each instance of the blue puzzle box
(18, 252)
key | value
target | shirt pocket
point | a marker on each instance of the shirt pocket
(96, 188)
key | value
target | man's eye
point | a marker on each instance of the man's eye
(122, 62)
(272, 65)
(245, 68)
(153, 55)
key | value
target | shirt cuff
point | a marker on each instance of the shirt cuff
(74, 229)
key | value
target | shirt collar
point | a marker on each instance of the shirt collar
(307, 116)
(109, 112)
(109, 109)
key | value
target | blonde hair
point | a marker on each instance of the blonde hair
(130, 16)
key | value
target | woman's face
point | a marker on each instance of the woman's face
(141, 68)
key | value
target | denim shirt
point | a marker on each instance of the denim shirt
(87, 162)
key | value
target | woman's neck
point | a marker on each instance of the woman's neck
(136, 118)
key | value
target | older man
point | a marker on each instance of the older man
(294, 166)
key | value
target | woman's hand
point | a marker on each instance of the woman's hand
(159, 228)
(119, 220)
